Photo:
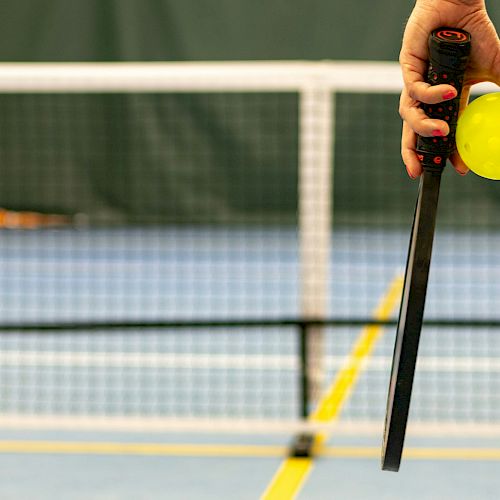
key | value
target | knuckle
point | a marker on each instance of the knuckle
(401, 111)
(413, 92)
(402, 108)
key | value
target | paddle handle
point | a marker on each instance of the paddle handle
(449, 50)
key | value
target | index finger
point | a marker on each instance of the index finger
(414, 60)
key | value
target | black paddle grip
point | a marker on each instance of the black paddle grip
(449, 50)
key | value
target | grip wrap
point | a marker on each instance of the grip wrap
(449, 50)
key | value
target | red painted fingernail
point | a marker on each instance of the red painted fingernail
(437, 133)
(409, 173)
(463, 173)
(449, 95)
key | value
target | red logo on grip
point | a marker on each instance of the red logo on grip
(451, 36)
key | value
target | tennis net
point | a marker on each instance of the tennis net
(202, 245)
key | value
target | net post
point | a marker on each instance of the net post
(315, 192)
(303, 443)
(303, 328)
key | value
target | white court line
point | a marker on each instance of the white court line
(147, 360)
(232, 361)
(356, 428)
(443, 364)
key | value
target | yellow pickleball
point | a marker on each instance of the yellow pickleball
(478, 136)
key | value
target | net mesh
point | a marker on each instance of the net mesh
(137, 206)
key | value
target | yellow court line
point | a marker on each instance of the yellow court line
(331, 403)
(289, 479)
(150, 449)
(453, 453)
(415, 453)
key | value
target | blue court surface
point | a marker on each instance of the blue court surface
(84, 475)
(154, 376)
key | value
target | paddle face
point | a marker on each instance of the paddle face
(448, 53)
(410, 320)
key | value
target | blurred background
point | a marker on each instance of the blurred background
(183, 31)
(127, 30)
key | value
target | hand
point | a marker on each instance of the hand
(484, 65)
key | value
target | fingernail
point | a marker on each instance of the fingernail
(437, 133)
(449, 95)
(463, 173)
(409, 173)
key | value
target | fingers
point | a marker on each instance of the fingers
(455, 159)
(408, 143)
(413, 69)
(458, 164)
(414, 116)
(430, 94)
(411, 161)
(464, 98)
(414, 62)
(415, 121)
